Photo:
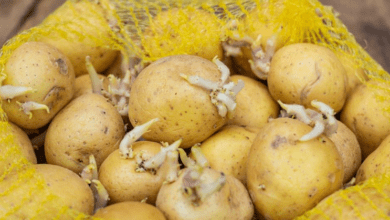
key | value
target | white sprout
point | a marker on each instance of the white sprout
(174, 166)
(200, 158)
(157, 160)
(125, 149)
(317, 130)
(89, 172)
(10, 92)
(97, 84)
(296, 110)
(223, 95)
(29, 106)
(101, 195)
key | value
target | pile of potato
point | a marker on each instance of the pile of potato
(265, 134)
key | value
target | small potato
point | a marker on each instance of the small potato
(303, 72)
(123, 183)
(349, 149)
(44, 187)
(87, 125)
(130, 210)
(363, 113)
(185, 111)
(227, 150)
(255, 105)
(76, 46)
(83, 84)
(49, 73)
(377, 163)
(285, 176)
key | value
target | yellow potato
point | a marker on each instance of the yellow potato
(130, 210)
(123, 183)
(185, 111)
(87, 125)
(227, 150)
(303, 72)
(48, 187)
(50, 75)
(377, 163)
(24, 142)
(285, 176)
(255, 105)
(363, 113)
(349, 149)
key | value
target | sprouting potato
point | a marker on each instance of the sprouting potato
(88, 125)
(204, 193)
(130, 210)
(166, 36)
(83, 84)
(377, 163)
(287, 176)
(349, 149)
(232, 144)
(363, 113)
(48, 186)
(164, 90)
(132, 179)
(255, 105)
(302, 72)
(77, 48)
(49, 78)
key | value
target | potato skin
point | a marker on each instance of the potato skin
(87, 125)
(286, 177)
(24, 142)
(363, 113)
(130, 210)
(232, 201)
(185, 111)
(255, 104)
(377, 163)
(46, 69)
(349, 149)
(123, 183)
(303, 72)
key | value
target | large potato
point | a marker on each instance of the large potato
(303, 72)
(285, 176)
(48, 72)
(88, 125)
(185, 111)
(363, 113)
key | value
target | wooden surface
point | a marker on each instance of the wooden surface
(368, 20)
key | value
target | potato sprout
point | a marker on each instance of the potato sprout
(222, 94)
(29, 106)
(321, 124)
(125, 149)
(8, 92)
(90, 175)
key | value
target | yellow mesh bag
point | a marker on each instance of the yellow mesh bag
(151, 29)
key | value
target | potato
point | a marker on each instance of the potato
(363, 113)
(227, 150)
(44, 187)
(87, 125)
(83, 84)
(166, 36)
(77, 47)
(255, 105)
(185, 111)
(48, 73)
(123, 183)
(22, 140)
(285, 176)
(229, 201)
(349, 149)
(377, 163)
(303, 72)
(130, 210)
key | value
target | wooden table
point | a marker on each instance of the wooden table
(368, 20)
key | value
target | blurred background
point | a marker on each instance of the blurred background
(368, 20)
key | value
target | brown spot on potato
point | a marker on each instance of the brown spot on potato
(61, 64)
(313, 191)
(278, 141)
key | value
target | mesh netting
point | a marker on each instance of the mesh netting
(152, 29)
